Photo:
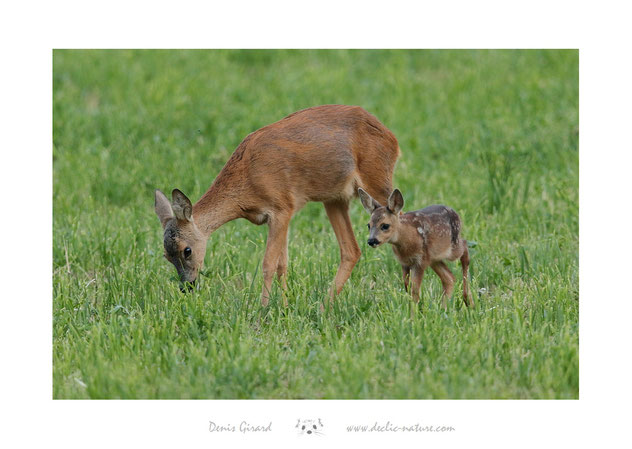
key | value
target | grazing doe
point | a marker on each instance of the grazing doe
(421, 239)
(323, 154)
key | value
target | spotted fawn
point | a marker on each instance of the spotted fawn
(420, 239)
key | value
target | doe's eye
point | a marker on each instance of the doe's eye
(385, 226)
(314, 426)
(187, 252)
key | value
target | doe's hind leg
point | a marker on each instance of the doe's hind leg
(338, 213)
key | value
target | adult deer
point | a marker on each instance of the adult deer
(324, 154)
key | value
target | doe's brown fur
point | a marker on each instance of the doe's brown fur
(323, 154)
(420, 239)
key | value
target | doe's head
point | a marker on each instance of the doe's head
(185, 244)
(384, 222)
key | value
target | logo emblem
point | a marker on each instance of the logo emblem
(310, 427)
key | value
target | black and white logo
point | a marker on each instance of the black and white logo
(310, 427)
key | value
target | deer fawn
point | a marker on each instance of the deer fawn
(323, 154)
(420, 239)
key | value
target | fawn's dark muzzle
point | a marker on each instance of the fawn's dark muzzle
(373, 242)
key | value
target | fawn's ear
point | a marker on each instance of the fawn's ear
(395, 202)
(163, 208)
(367, 201)
(181, 205)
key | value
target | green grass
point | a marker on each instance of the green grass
(494, 134)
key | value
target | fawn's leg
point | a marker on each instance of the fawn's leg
(465, 263)
(338, 213)
(276, 248)
(447, 280)
(416, 276)
(406, 276)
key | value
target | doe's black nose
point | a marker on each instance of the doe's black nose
(187, 286)
(373, 242)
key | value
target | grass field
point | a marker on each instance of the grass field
(494, 134)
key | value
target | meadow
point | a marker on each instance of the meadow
(493, 134)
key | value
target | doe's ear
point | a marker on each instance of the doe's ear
(367, 201)
(163, 208)
(395, 202)
(181, 205)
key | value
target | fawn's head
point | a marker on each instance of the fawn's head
(185, 245)
(384, 222)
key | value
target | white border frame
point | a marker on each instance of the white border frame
(33, 30)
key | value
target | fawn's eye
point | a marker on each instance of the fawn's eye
(187, 252)
(314, 426)
(385, 227)
(303, 428)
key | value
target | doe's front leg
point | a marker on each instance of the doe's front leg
(275, 254)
